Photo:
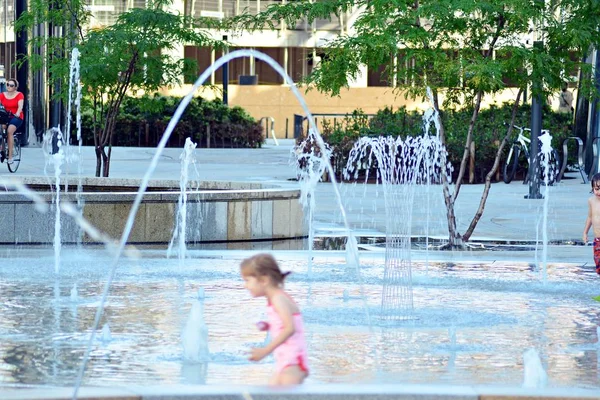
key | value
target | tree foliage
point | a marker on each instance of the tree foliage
(462, 46)
(136, 53)
(465, 49)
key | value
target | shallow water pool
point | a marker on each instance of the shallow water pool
(472, 321)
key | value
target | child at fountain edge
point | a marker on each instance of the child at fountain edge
(263, 278)
(593, 219)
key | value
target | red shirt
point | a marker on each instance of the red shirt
(12, 105)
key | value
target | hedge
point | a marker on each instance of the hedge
(143, 120)
(490, 129)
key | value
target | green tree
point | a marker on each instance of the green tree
(465, 49)
(132, 55)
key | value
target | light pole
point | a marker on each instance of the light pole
(225, 76)
(595, 112)
(23, 66)
(536, 128)
(2, 79)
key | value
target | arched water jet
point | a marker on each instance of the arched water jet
(161, 145)
(40, 204)
(42, 207)
(130, 252)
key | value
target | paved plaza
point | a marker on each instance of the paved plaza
(508, 218)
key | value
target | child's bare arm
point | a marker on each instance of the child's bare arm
(588, 222)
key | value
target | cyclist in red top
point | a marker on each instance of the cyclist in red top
(12, 100)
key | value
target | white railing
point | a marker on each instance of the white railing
(271, 130)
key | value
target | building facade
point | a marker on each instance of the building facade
(254, 85)
(296, 48)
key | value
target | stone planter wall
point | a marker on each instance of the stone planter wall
(212, 216)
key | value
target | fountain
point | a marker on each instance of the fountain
(106, 336)
(535, 376)
(545, 153)
(194, 337)
(179, 233)
(400, 166)
(55, 159)
(73, 293)
(500, 308)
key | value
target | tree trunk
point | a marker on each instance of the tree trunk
(472, 162)
(463, 162)
(497, 144)
(97, 138)
(106, 170)
(105, 161)
(454, 238)
(98, 160)
(112, 111)
(488, 178)
(208, 136)
(109, 129)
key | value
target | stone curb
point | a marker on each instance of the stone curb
(314, 392)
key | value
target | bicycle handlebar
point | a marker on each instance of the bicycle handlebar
(523, 129)
(2, 108)
(529, 129)
(9, 114)
(518, 127)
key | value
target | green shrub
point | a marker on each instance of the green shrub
(143, 120)
(489, 130)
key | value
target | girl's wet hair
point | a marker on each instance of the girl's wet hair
(595, 181)
(263, 265)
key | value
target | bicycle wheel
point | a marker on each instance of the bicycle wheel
(16, 155)
(510, 166)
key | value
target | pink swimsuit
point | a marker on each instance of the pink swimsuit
(293, 350)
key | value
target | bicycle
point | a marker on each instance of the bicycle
(5, 117)
(521, 144)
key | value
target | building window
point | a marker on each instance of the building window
(106, 12)
(266, 74)
(298, 64)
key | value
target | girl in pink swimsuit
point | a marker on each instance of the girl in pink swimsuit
(262, 277)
